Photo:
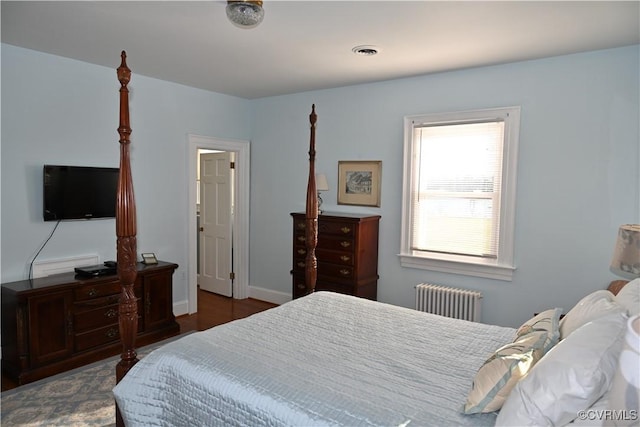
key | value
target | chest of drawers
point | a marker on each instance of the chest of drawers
(347, 254)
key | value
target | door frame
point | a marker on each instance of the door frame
(240, 218)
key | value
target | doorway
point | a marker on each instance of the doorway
(240, 223)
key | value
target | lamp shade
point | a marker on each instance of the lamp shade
(626, 255)
(321, 182)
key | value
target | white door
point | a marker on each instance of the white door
(215, 223)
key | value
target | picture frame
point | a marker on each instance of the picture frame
(149, 258)
(359, 182)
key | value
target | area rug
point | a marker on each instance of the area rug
(80, 397)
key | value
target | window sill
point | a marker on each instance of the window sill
(457, 266)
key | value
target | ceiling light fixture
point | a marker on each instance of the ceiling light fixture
(365, 50)
(245, 13)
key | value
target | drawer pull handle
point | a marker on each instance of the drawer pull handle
(111, 313)
(92, 292)
(345, 244)
(301, 264)
(302, 251)
(345, 230)
(345, 258)
(112, 333)
(302, 238)
(301, 226)
(301, 286)
(345, 272)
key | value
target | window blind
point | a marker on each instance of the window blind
(457, 187)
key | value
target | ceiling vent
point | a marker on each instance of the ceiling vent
(365, 50)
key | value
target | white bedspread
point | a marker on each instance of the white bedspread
(322, 360)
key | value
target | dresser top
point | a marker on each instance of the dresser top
(339, 215)
(70, 278)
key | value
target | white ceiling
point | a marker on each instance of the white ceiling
(306, 45)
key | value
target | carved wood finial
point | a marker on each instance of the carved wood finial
(124, 73)
(313, 117)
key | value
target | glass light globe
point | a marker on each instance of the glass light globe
(245, 14)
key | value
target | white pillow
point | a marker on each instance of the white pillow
(569, 378)
(597, 304)
(629, 297)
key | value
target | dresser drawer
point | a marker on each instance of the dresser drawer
(102, 301)
(336, 271)
(327, 241)
(336, 243)
(101, 336)
(98, 317)
(334, 287)
(327, 227)
(336, 228)
(335, 257)
(96, 290)
(299, 287)
(97, 337)
(323, 256)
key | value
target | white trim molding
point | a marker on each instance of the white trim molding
(501, 268)
(241, 213)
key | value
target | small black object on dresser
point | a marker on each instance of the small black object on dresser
(347, 254)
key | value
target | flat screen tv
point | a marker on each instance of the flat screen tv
(79, 192)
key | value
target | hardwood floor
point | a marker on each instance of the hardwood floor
(213, 310)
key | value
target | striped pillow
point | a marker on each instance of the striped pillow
(504, 368)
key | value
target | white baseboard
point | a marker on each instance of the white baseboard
(268, 295)
(180, 308)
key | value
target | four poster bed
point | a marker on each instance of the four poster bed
(331, 359)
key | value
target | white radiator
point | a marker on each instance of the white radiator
(450, 302)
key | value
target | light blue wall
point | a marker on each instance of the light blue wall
(578, 178)
(60, 111)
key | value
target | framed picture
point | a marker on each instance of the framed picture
(149, 258)
(359, 182)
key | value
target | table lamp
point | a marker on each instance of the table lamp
(321, 185)
(626, 255)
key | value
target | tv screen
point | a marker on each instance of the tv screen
(79, 192)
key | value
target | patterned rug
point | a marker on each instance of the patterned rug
(80, 397)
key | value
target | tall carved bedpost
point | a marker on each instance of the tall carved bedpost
(126, 234)
(311, 220)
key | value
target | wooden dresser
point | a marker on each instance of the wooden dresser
(60, 322)
(347, 254)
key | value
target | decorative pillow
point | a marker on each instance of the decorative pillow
(593, 306)
(629, 297)
(568, 379)
(500, 373)
(548, 322)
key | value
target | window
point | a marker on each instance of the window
(459, 192)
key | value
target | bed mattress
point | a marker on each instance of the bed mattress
(322, 360)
